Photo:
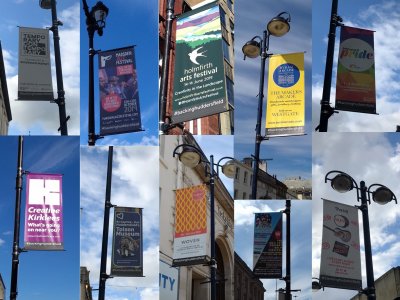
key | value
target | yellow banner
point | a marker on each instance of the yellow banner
(285, 100)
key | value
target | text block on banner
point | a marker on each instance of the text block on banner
(43, 212)
(190, 243)
(119, 92)
(267, 246)
(199, 76)
(355, 83)
(285, 101)
(127, 246)
(340, 251)
(34, 68)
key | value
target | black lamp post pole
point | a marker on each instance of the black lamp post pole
(107, 206)
(367, 243)
(264, 55)
(91, 125)
(213, 263)
(16, 249)
(60, 85)
(165, 66)
(288, 272)
(326, 109)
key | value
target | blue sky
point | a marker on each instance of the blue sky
(382, 17)
(300, 242)
(128, 23)
(41, 117)
(374, 158)
(42, 274)
(134, 184)
(291, 155)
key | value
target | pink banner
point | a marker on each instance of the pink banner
(43, 212)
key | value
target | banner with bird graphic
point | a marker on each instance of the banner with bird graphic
(199, 75)
(340, 250)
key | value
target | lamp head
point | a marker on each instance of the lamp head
(45, 4)
(342, 183)
(382, 195)
(229, 169)
(99, 13)
(251, 49)
(279, 25)
(189, 157)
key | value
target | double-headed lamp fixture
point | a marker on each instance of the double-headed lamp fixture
(343, 182)
(191, 156)
(277, 26)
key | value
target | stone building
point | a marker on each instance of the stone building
(194, 280)
(247, 287)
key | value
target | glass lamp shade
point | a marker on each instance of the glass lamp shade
(45, 4)
(251, 49)
(382, 195)
(229, 169)
(99, 12)
(342, 183)
(278, 26)
(189, 157)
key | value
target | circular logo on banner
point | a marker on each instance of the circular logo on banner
(111, 103)
(286, 75)
(356, 55)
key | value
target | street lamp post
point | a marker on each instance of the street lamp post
(342, 183)
(277, 26)
(51, 4)
(191, 156)
(288, 272)
(107, 207)
(326, 110)
(95, 21)
(16, 249)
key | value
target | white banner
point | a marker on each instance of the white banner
(340, 254)
(34, 69)
(169, 281)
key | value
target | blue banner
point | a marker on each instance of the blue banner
(127, 247)
(119, 92)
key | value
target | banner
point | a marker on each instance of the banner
(168, 281)
(190, 243)
(340, 253)
(43, 212)
(34, 69)
(355, 83)
(285, 101)
(127, 246)
(119, 93)
(267, 249)
(199, 78)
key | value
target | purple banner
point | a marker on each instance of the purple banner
(119, 92)
(43, 212)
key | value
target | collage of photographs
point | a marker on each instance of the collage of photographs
(199, 150)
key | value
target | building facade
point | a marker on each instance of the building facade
(194, 281)
(5, 109)
(216, 124)
(387, 287)
(86, 289)
(300, 188)
(268, 186)
(247, 287)
(2, 289)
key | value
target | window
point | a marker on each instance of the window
(237, 173)
(222, 16)
(229, 89)
(225, 49)
(245, 177)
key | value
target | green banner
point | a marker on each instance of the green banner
(199, 81)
